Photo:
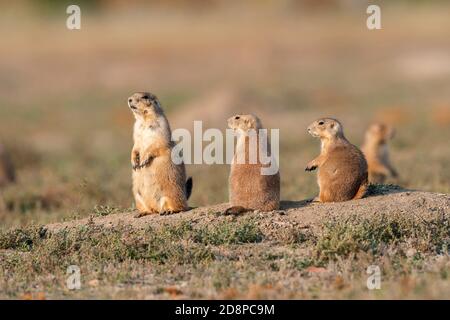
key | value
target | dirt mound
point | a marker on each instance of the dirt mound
(305, 250)
(294, 215)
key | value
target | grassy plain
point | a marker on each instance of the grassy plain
(64, 118)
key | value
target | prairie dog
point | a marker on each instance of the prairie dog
(159, 185)
(376, 150)
(7, 172)
(342, 167)
(249, 189)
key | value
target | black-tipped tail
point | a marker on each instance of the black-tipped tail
(189, 185)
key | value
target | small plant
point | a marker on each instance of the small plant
(229, 233)
(302, 264)
(105, 210)
(22, 239)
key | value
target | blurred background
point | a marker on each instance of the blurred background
(65, 124)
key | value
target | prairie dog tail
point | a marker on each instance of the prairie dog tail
(361, 191)
(236, 210)
(189, 185)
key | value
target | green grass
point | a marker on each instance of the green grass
(217, 253)
(229, 233)
(341, 238)
(99, 244)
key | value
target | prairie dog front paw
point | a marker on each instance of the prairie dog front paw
(311, 166)
(135, 159)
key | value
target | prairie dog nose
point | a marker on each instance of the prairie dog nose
(131, 103)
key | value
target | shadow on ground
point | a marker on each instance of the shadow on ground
(373, 190)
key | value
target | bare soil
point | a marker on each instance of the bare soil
(292, 214)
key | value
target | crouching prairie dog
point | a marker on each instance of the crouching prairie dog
(376, 150)
(342, 173)
(159, 185)
(250, 187)
(7, 172)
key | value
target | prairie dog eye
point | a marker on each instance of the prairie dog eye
(237, 117)
(145, 97)
(321, 123)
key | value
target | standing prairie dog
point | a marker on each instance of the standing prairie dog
(249, 188)
(7, 172)
(342, 167)
(375, 149)
(159, 185)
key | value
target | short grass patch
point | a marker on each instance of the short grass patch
(229, 233)
(341, 237)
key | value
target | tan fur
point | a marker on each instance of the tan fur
(342, 167)
(7, 172)
(248, 188)
(376, 150)
(159, 185)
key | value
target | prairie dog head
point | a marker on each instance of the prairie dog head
(326, 128)
(145, 106)
(242, 123)
(379, 133)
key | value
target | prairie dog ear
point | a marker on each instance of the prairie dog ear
(336, 127)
